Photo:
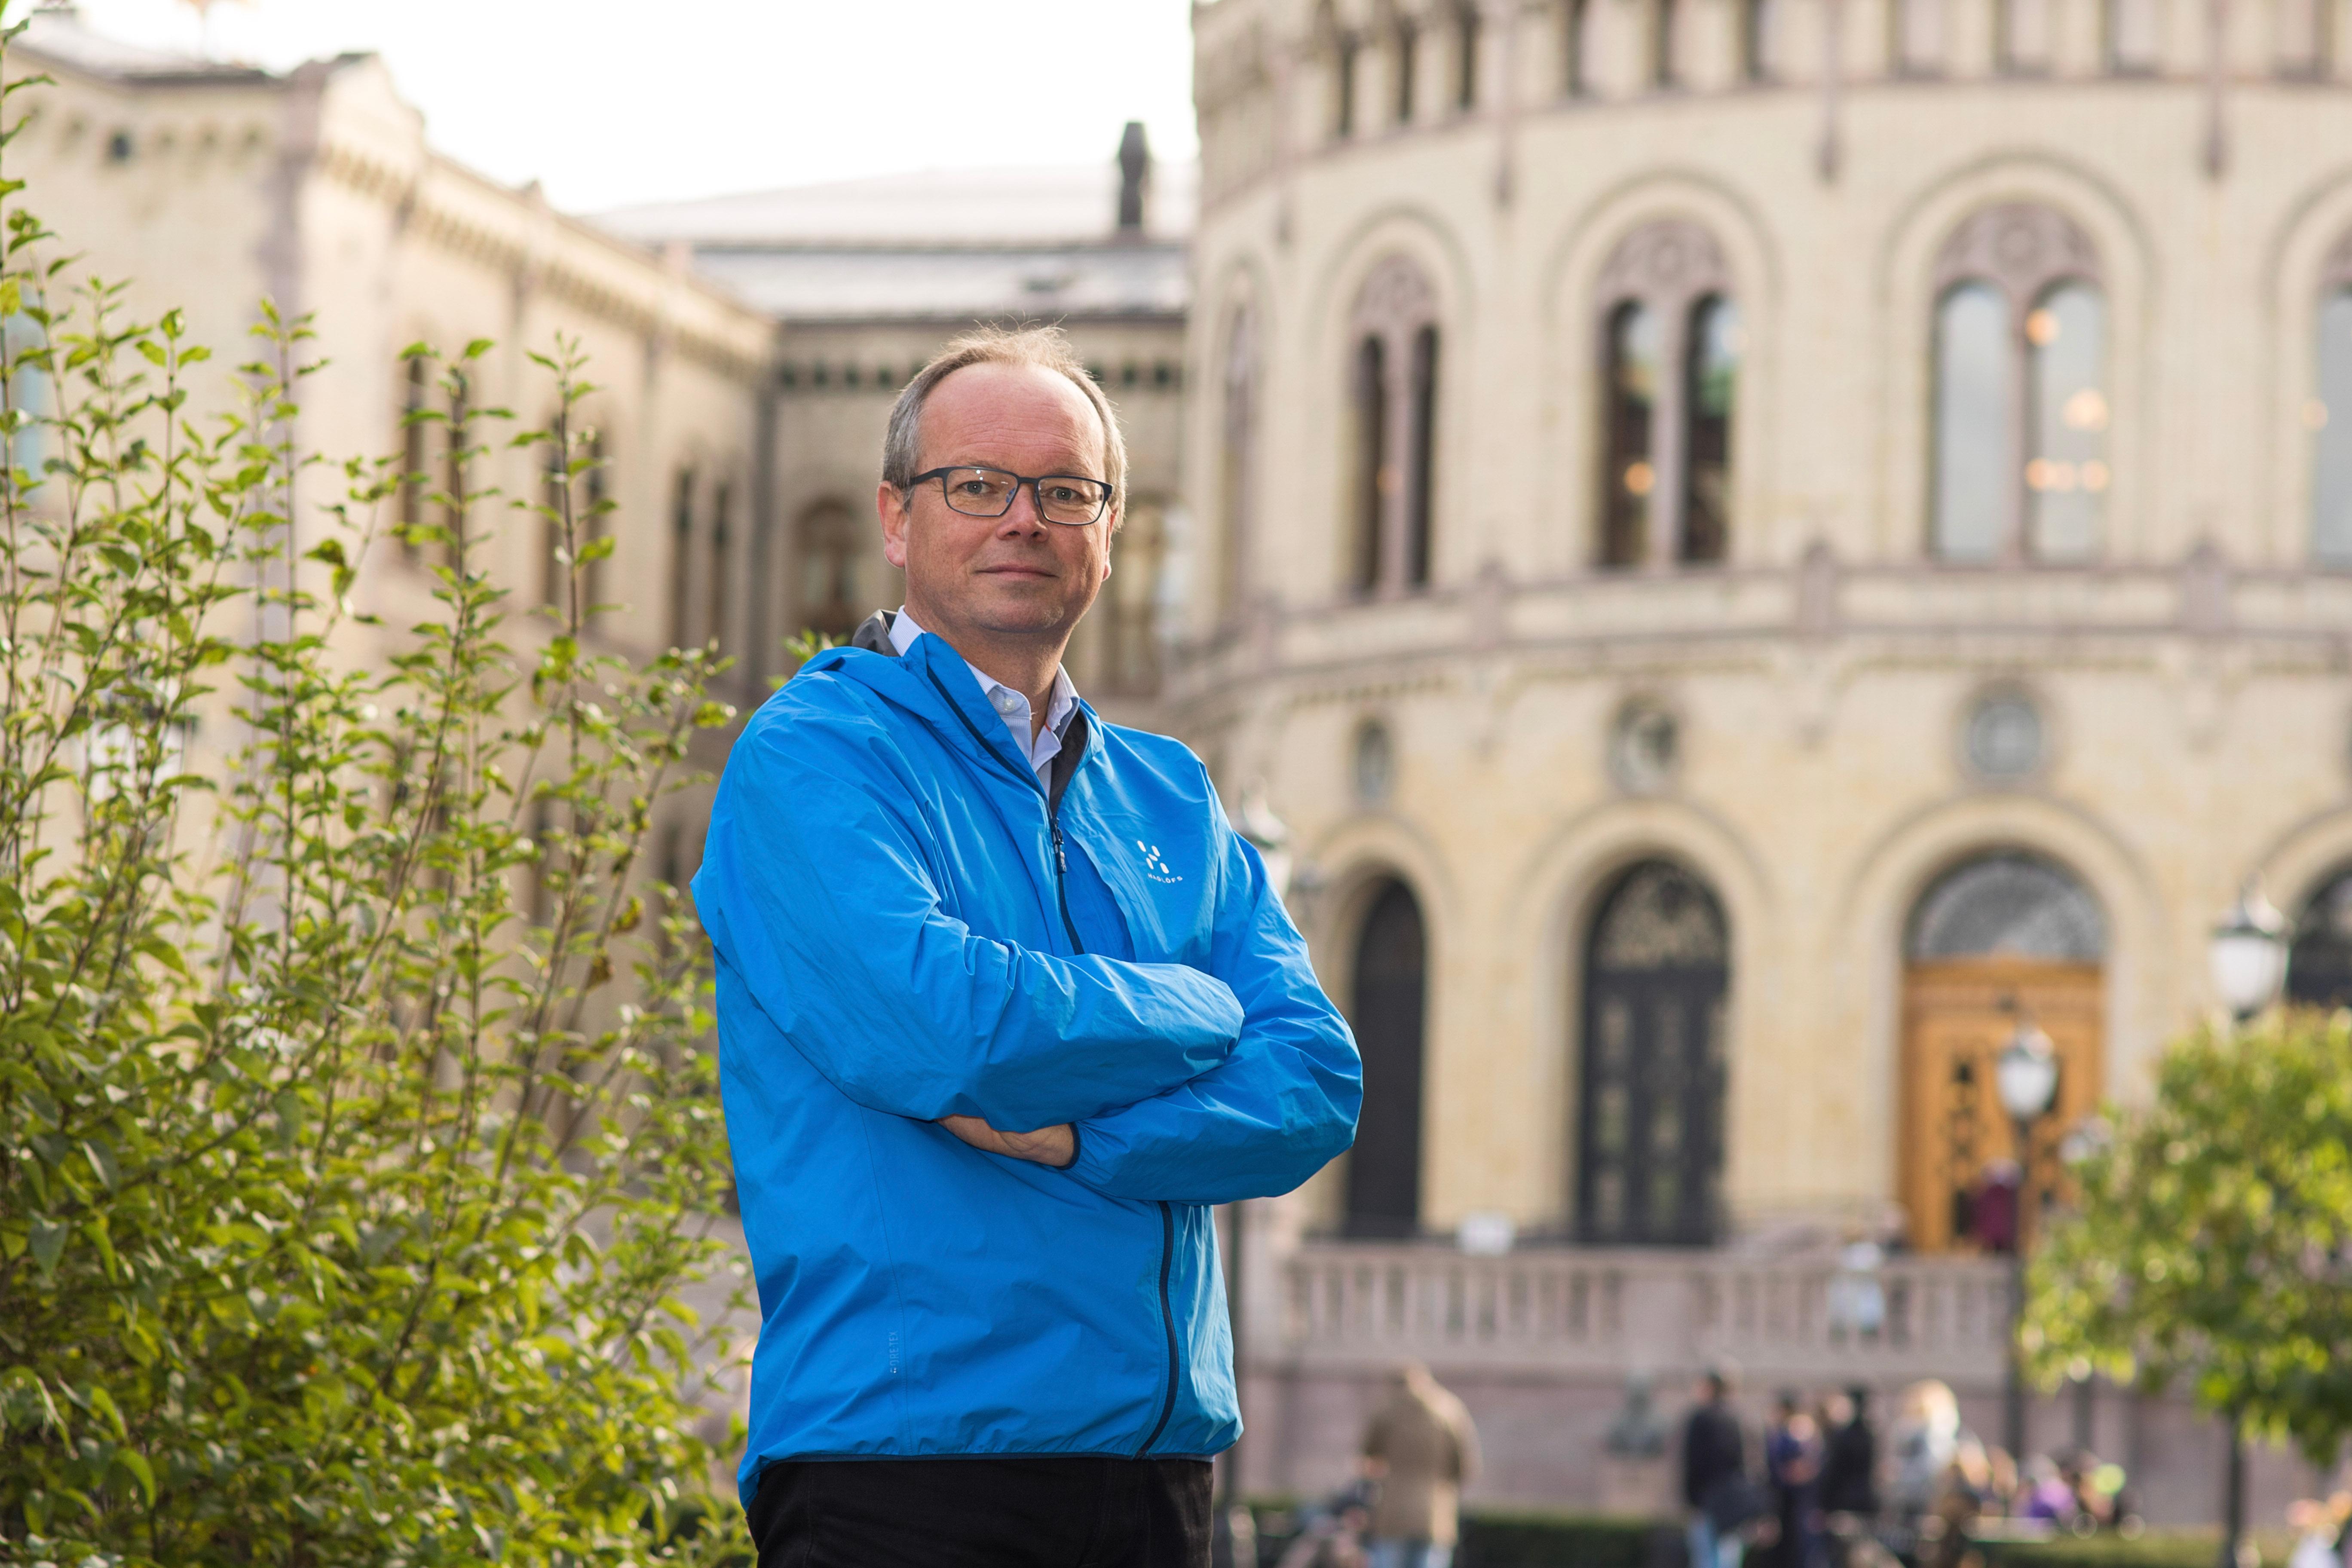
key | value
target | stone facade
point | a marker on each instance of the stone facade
(1834, 461)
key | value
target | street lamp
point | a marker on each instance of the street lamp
(2025, 1075)
(2247, 958)
(2247, 955)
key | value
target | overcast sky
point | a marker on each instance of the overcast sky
(610, 103)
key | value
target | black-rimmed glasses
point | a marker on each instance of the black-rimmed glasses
(989, 492)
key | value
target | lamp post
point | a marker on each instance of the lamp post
(2026, 1076)
(2247, 958)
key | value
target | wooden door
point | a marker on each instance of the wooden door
(1959, 1015)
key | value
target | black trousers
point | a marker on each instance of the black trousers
(982, 1513)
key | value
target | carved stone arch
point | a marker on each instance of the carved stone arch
(2021, 247)
(1673, 260)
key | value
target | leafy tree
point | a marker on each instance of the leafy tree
(2212, 1243)
(356, 1134)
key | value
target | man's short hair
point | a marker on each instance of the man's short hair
(1044, 347)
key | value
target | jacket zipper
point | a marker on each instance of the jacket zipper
(1166, 1215)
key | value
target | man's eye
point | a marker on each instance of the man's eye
(973, 487)
(1061, 492)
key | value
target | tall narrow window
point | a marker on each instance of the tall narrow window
(1671, 342)
(456, 453)
(1972, 422)
(2066, 458)
(1343, 86)
(557, 487)
(595, 515)
(2025, 35)
(1760, 27)
(2021, 408)
(1713, 385)
(416, 453)
(1630, 475)
(1576, 54)
(32, 393)
(1394, 460)
(1372, 479)
(2133, 41)
(681, 558)
(1919, 37)
(1465, 58)
(714, 618)
(827, 538)
(2303, 52)
(1237, 461)
(2328, 416)
(1665, 23)
(1408, 58)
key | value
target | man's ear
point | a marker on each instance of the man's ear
(890, 506)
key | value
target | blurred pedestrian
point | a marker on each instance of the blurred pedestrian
(1926, 1437)
(1793, 1466)
(1716, 1487)
(1850, 1462)
(1421, 1449)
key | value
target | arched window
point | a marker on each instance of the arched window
(1650, 1132)
(1238, 461)
(2319, 965)
(1391, 996)
(828, 598)
(1465, 57)
(2328, 416)
(2021, 408)
(1392, 463)
(1666, 434)
(1999, 941)
(2134, 41)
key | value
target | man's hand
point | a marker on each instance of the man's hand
(1054, 1146)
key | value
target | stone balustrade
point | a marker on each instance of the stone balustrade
(1605, 1313)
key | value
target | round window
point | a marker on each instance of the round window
(2005, 737)
(1375, 764)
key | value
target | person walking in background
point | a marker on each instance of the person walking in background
(1850, 1459)
(1793, 1464)
(1422, 1449)
(1716, 1487)
(1004, 1005)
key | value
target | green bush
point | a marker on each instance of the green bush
(346, 1187)
(2157, 1548)
(1542, 1540)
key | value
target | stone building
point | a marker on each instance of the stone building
(210, 186)
(868, 278)
(1757, 544)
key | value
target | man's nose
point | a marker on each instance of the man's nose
(1021, 516)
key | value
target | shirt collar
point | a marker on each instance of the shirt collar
(1058, 707)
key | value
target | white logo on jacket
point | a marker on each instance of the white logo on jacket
(1153, 866)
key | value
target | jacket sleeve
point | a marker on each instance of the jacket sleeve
(815, 888)
(1273, 1113)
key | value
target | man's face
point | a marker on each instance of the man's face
(1015, 576)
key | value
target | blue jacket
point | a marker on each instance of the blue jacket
(908, 926)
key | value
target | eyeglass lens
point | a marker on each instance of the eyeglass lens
(988, 492)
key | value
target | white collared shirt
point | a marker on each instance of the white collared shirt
(1010, 705)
